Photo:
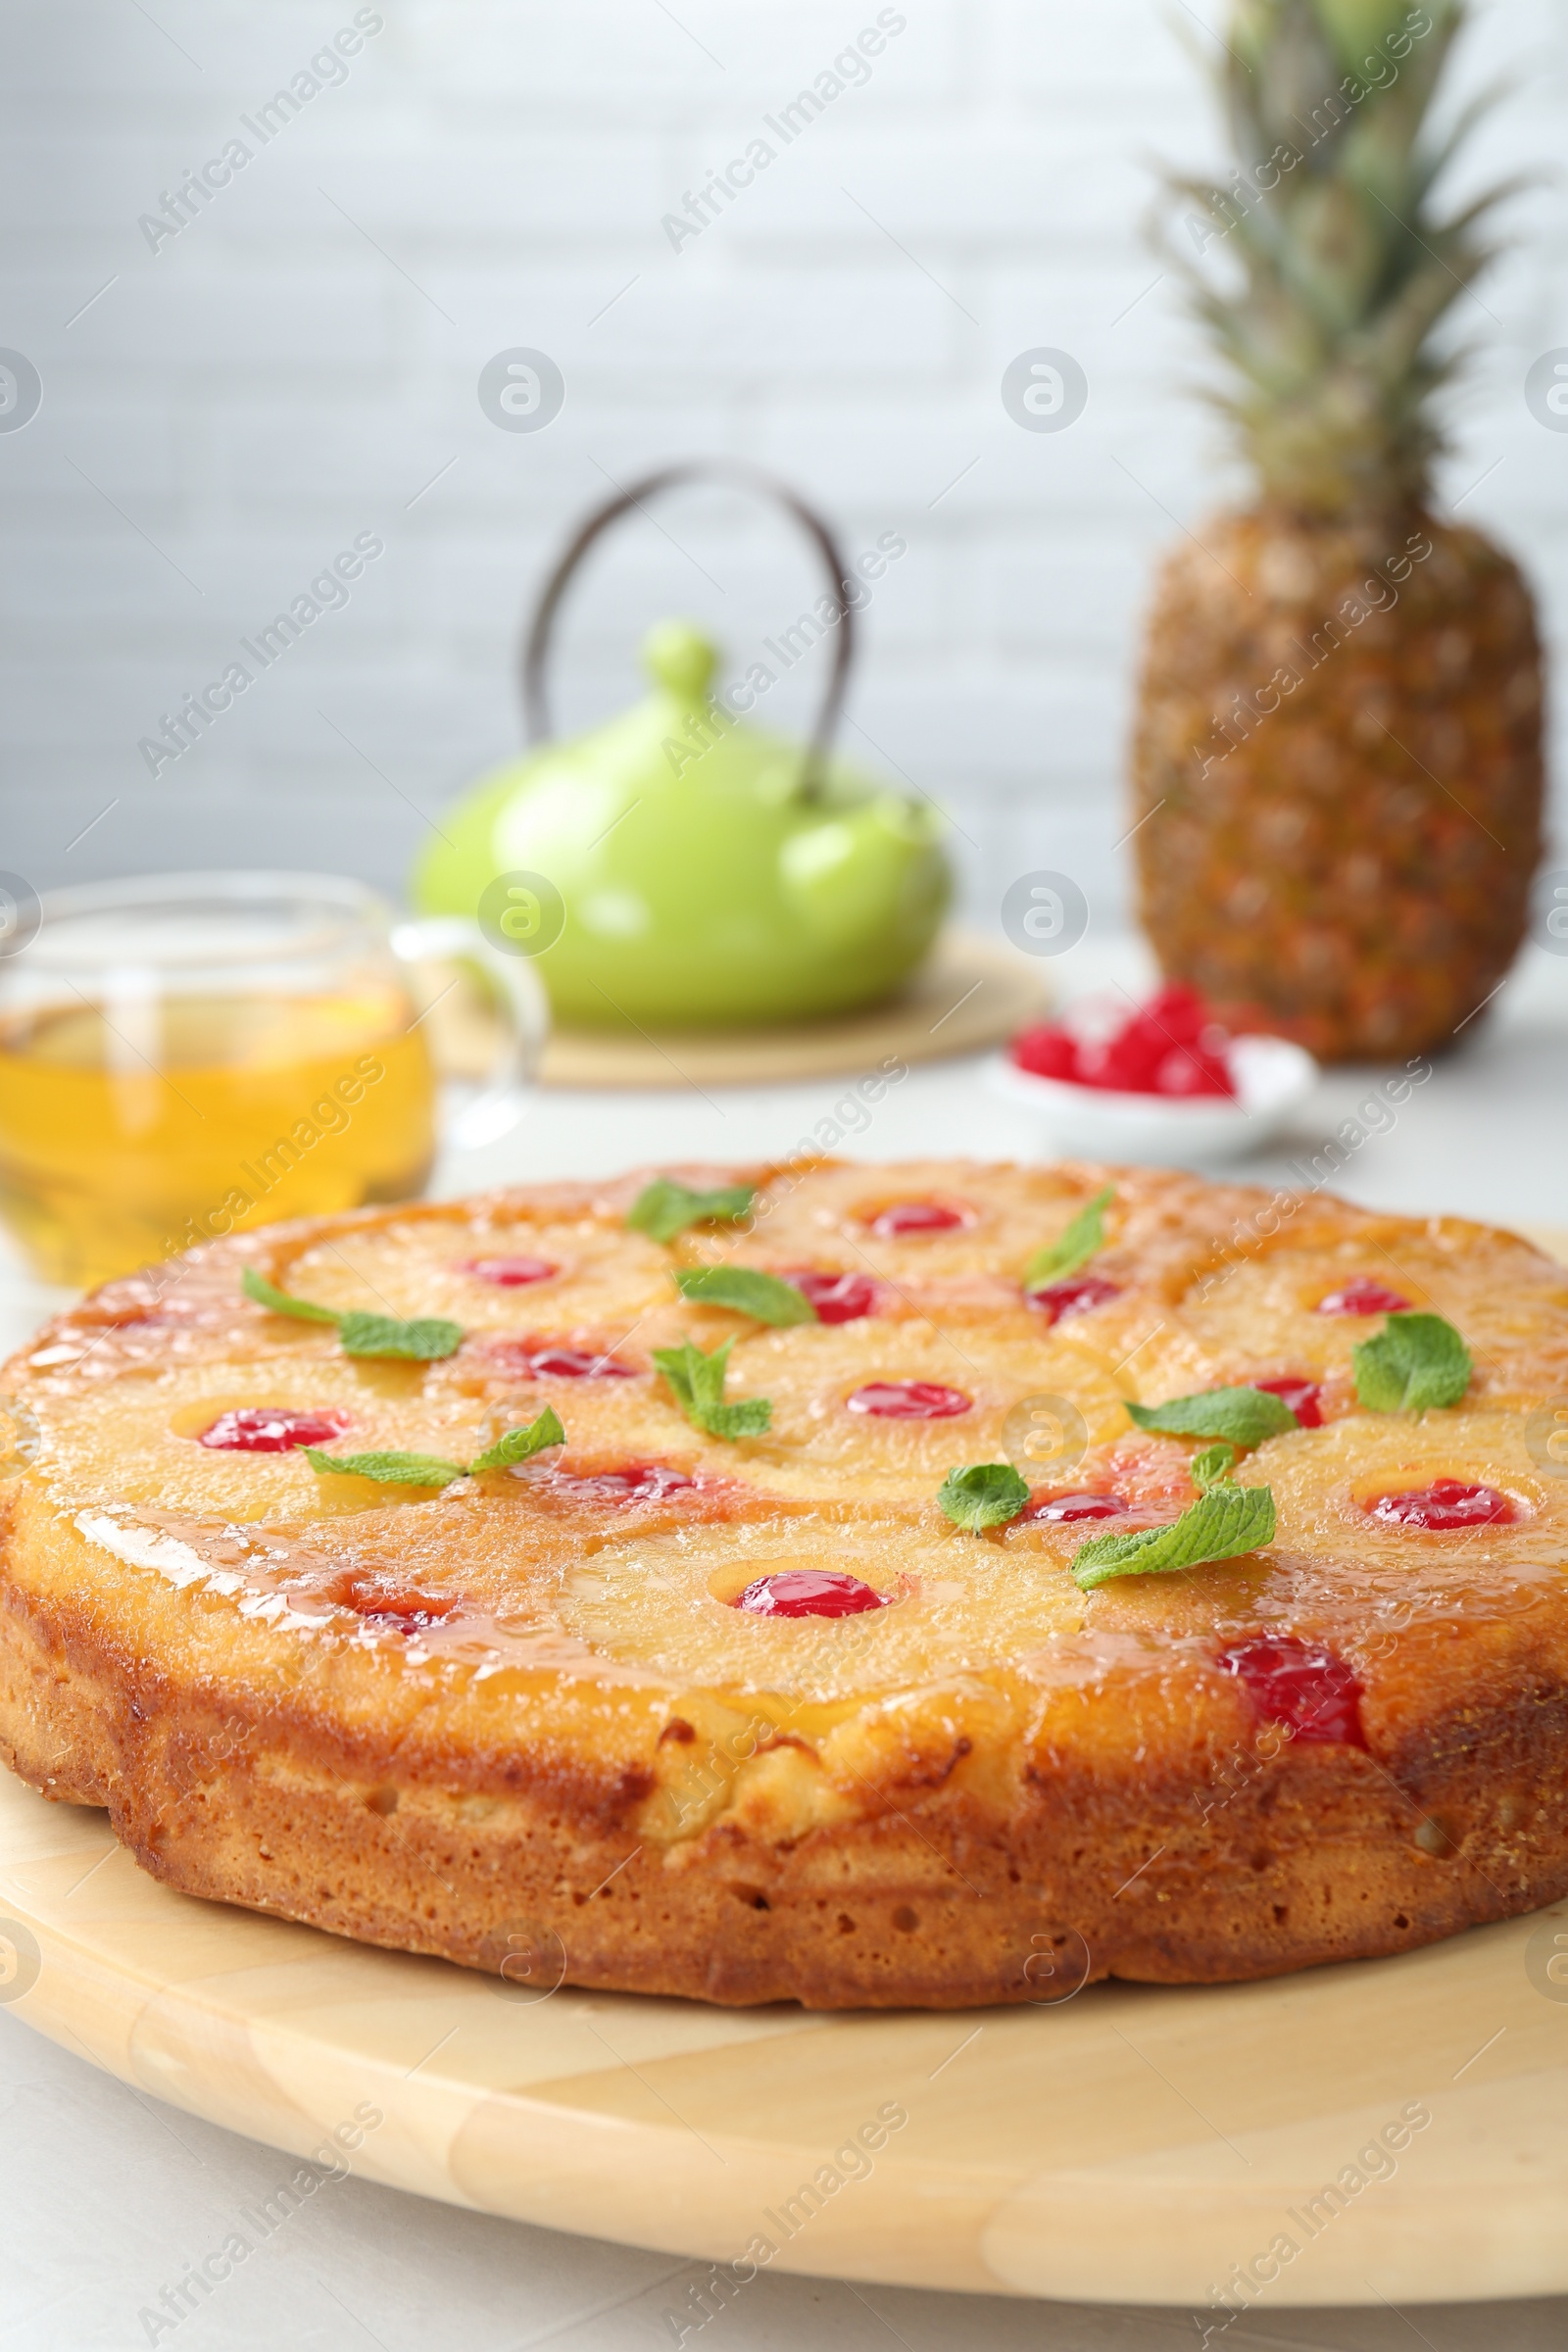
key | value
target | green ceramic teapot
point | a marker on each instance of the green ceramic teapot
(679, 868)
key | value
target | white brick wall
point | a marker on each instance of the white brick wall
(232, 409)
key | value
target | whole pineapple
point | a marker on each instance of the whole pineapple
(1338, 756)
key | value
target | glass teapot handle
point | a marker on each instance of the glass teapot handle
(536, 647)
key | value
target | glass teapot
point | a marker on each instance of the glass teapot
(677, 867)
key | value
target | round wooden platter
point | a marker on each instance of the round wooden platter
(970, 993)
(1131, 2143)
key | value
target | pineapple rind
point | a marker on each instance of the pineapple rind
(1356, 865)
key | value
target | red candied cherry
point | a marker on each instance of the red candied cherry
(837, 1297)
(1304, 1396)
(1363, 1297)
(1299, 1684)
(1046, 1051)
(810, 1592)
(1191, 1071)
(1446, 1504)
(1126, 1063)
(404, 1612)
(509, 1273)
(1172, 1046)
(638, 1482)
(1057, 1508)
(1180, 1012)
(1055, 1300)
(906, 1217)
(270, 1429)
(908, 1400)
(539, 1360)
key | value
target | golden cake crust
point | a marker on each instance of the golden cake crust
(517, 1723)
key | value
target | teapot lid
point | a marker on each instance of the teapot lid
(679, 658)
(682, 734)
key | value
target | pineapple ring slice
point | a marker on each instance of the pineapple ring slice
(1264, 1315)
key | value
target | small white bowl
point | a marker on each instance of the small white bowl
(1271, 1077)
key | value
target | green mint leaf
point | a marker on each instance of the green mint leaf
(749, 1417)
(985, 1495)
(1415, 1361)
(1216, 1462)
(708, 1376)
(387, 1469)
(762, 1297)
(1246, 1416)
(663, 1208)
(697, 1383)
(1080, 1240)
(425, 1340)
(675, 1363)
(265, 1293)
(1227, 1521)
(521, 1444)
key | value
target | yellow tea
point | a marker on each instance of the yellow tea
(134, 1127)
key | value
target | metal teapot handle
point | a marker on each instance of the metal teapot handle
(536, 649)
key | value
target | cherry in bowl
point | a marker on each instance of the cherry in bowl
(1172, 1046)
(1163, 1081)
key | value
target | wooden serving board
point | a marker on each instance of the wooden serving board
(969, 994)
(1129, 2145)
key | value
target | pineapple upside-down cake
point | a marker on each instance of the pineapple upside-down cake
(930, 1585)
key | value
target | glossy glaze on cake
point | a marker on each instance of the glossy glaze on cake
(753, 1720)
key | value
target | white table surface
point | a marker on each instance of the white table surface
(106, 2195)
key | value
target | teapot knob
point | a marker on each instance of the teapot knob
(680, 657)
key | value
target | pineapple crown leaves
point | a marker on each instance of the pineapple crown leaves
(1345, 267)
